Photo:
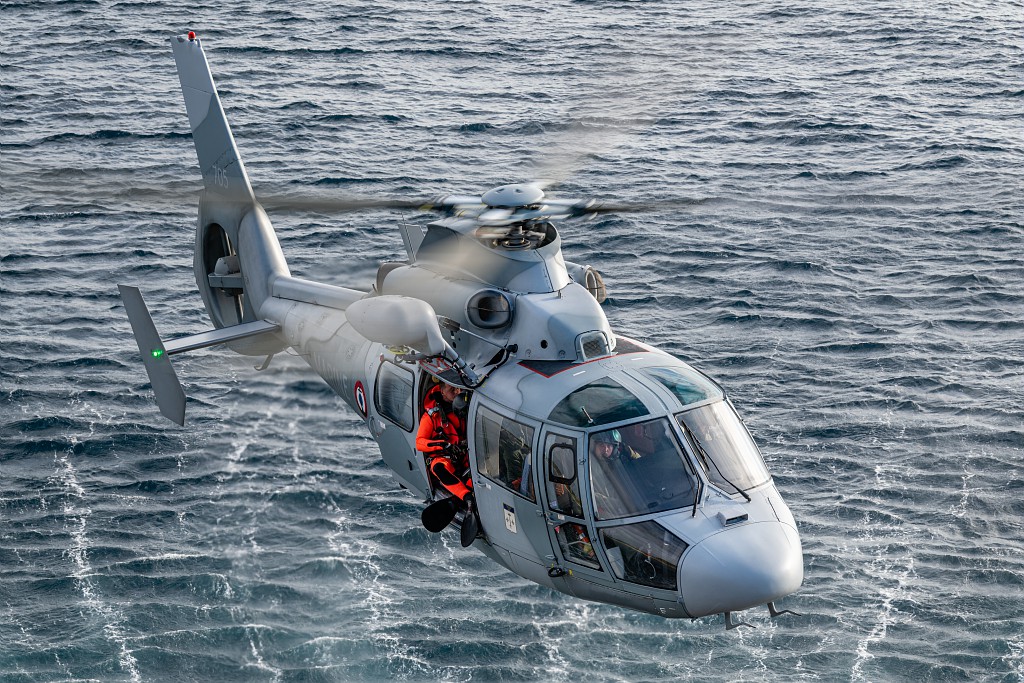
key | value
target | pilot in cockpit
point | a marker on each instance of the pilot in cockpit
(442, 439)
(610, 473)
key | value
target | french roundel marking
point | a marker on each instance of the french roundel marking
(361, 398)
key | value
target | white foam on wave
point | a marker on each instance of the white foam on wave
(379, 599)
(1015, 657)
(576, 617)
(960, 509)
(247, 551)
(77, 518)
(894, 575)
(252, 632)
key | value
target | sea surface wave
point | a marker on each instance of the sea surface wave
(838, 242)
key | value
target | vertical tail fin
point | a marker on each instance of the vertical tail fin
(219, 161)
(234, 236)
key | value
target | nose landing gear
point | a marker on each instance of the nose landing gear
(730, 624)
(773, 611)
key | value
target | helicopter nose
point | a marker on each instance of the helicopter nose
(741, 567)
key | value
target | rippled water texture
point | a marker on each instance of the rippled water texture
(852, 274)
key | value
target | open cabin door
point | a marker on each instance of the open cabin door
(393, 419)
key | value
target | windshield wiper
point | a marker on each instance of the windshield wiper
(706, 458)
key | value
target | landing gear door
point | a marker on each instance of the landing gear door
(562, 486)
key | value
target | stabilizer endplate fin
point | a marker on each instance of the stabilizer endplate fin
(170, 397)
(219, 161)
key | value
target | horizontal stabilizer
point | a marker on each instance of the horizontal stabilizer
(221, 336)
(156, 353)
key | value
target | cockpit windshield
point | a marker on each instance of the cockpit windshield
(637, 469)
(687, 386)
(599, 402)
(724, 447)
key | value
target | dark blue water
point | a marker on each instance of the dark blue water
(852, 274)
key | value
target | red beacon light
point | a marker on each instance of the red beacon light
(191, 35)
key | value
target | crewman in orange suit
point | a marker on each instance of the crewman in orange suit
(441, 438)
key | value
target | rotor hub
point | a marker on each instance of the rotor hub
(513, 196)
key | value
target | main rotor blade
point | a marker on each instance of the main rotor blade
(597, 208)
(340, 204)
(570, 151)
(613, 102)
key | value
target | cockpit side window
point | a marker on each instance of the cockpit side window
(645, 553)
(638, 469)
(723, 447)
(562, 476)
(504, 450)
(599, 402)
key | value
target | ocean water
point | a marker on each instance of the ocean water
(849, 268)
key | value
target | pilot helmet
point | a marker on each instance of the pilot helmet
(611, 436)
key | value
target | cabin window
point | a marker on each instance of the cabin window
(723, 447)
(563, 484)
(645, 553)
(638, 469)
(393, 395)
(504, 450)
(600, 402)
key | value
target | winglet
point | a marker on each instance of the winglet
(170, 397)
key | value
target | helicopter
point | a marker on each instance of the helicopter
(601, 466)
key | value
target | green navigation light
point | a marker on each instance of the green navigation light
(156, 353)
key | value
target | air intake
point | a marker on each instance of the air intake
(593, 345)
(595, 285)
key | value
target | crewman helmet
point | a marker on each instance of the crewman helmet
(611, 436)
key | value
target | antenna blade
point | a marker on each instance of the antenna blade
(412, 238)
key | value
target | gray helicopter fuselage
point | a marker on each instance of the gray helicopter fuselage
(602, 467)
(716, 551)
